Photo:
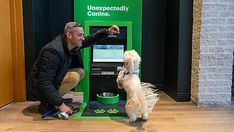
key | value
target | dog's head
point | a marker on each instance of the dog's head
(131, 61)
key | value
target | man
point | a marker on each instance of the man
(59, 66)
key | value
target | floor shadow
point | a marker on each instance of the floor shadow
(138, 124)
(32, 111)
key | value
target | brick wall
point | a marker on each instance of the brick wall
(233, 79)
(213, 46)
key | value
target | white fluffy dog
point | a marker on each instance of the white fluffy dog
(141, 96)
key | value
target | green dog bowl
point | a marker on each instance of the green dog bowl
(107, 98)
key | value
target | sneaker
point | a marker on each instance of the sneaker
(44, 107)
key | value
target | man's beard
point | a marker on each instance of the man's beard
(78, 45)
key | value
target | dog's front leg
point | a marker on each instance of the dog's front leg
(119, 83)
(120, 79)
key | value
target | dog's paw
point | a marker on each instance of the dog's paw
(145, 117)
(128, 120)
(132, 120)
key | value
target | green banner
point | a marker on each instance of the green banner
(112, 10)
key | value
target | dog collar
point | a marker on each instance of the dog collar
(135, 72)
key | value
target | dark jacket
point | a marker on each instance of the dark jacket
(51, 66)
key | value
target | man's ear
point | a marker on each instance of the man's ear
(68, 35)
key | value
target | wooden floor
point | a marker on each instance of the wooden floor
(167, 116)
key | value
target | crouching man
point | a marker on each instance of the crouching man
(59, 66)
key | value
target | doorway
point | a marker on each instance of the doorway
(6, 70)
(12, 77)
(166, 47)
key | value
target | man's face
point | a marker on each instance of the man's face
(77, 37)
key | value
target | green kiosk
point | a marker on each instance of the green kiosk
(102, 61)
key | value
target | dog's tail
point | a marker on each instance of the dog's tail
(150, 95)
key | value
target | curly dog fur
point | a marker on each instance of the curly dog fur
(141, 96)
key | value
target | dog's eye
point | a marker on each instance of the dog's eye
(125, 63)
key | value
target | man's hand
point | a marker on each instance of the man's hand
(113, 29)
(65, 108)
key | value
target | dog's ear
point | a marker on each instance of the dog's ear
(131, 65)
(136, 66)
(132, 61)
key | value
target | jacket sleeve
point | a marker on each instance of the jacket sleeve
(91, 39)
(47, 74)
